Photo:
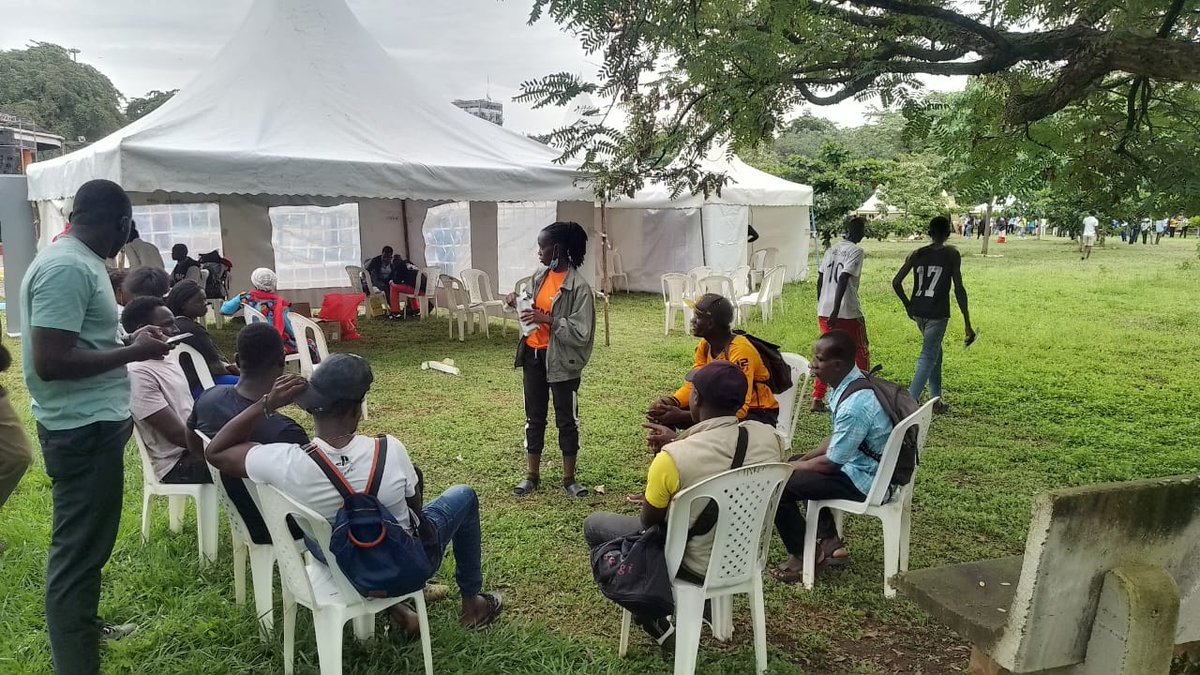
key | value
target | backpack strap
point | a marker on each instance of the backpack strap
(377, 464)
(331, 472)
(707, 519)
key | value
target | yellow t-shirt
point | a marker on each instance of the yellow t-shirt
(662, 482)
(742, 354)
(540, 338)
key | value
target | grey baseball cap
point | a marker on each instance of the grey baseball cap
(340, 377)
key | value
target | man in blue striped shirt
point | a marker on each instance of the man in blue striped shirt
(838, 469)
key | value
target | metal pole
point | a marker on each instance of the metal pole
(606, 280)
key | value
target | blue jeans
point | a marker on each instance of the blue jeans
(929, 363)
(455, 516)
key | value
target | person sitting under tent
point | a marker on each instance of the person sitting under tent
(380, 269)
(139, 252)
(160, 400)
(187, 302)
(712, 322)
(404, 280)
(264, 299)
(184, 264)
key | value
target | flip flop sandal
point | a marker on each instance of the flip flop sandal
(495, 606)
(526, 486)
(787, 576)
(575, 491)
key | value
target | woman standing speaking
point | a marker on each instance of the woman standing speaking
(552, 356)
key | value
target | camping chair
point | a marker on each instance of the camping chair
(262, 556)
(676, 289)
(892, 506)
(747, 498)
(204, 494)
(479, 287)
(323, 589)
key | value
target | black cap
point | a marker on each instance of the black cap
(720, 384)
(340, 377)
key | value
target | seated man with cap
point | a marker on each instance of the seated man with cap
(717, 392)
(334, 397)
(712, 322)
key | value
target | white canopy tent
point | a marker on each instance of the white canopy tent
(304, 108)
(874, 207)
(656, 234)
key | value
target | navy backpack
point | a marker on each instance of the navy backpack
(375, 553)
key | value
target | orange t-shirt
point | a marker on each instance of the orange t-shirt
(540, 338)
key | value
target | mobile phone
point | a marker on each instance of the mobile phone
(174, 339)
(970, 341)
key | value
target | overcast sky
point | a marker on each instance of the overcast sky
(462, 48)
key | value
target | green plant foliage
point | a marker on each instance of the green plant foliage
(71, 99)
(140, 107)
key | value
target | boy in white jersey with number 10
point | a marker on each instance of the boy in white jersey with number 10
(933, 267)
(837, 299)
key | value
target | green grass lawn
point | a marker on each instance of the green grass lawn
(1080, 375)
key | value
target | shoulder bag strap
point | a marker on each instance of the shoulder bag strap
(707, 519)
(377, 465)
(331, 472)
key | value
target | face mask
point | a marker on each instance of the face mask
(554, 264)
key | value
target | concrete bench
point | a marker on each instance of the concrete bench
(1109, 583)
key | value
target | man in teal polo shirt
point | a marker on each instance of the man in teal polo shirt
(75, 372)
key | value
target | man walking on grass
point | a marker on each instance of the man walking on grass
(75, 372)
(934, 268)
(1088, 240)
(837, 299)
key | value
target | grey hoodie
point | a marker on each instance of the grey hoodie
(572, 326)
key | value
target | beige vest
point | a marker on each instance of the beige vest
(706, 450)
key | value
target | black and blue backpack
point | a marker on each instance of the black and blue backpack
(375, 553)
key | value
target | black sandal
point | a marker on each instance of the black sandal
(495, 606)
(527, 485)
(575, 490)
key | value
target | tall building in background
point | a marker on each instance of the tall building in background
(483, 108)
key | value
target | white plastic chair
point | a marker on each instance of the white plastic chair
(741, 280)
(358, 278)
(789, 412)
(306, 329)
(254, 316)
(778, 275)
(458, 302)
(758, 267)
(479, 287)
(204, 494)
(199, 365)
(262, 556)
(895, 514)
(696, 274)
(616, 270)
(331, 598)
(716, 283)
(422, 297)
(760, 298)
(676, 288)
(747, 498)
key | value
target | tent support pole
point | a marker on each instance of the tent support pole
(404, 225)
(703, 248)
(606, 282)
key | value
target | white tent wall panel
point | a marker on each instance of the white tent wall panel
(381, 223)
(653, 242)
(785, 228)
(483, 238)
(724, 231)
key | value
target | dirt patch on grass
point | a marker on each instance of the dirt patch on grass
(878, 647)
